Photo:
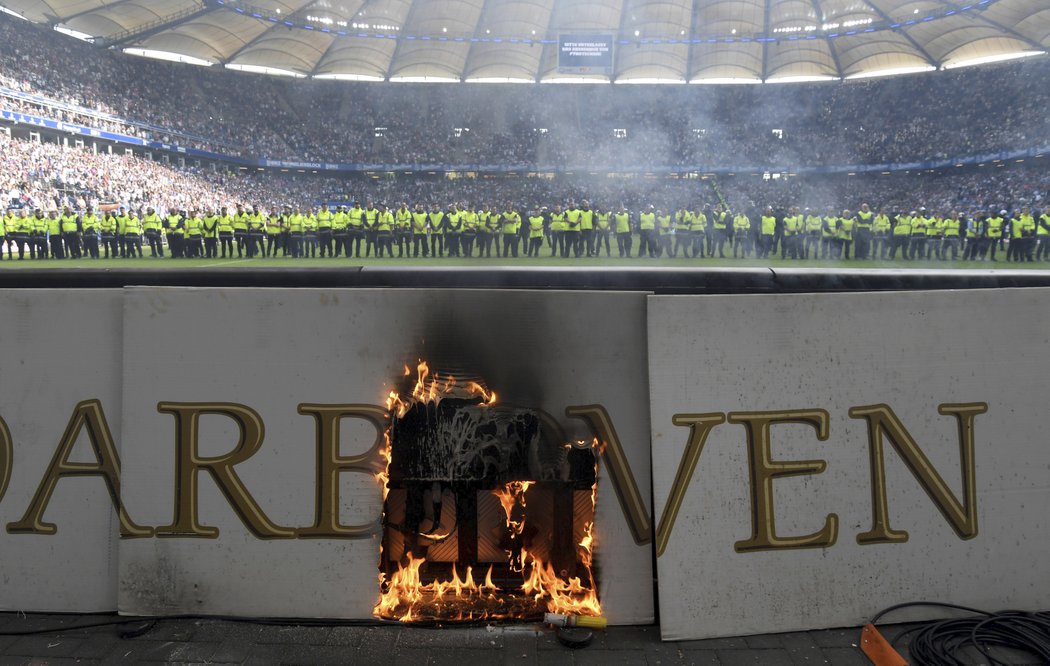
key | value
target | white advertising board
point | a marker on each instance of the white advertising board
(271, 354)
(831, 436)
(60, 400)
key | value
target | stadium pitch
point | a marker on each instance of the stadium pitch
(167, 263)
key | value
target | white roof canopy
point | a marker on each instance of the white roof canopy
(517, 40)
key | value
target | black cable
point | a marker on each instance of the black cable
(959, 641)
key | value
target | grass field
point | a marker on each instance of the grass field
(544, 261)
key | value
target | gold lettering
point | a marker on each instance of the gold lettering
(189, 463)
(700, 425)
(619, 467)
(882, 421)
(87, 414)
(763, 470)
(6, 456)
(330, 464)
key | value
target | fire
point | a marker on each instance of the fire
(419, 590)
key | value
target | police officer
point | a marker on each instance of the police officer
(586, 242)
(901, 235)
(54, 234)
(951, 229)
(557, 230)
(210, 231)
(468, 230)
(881, 229)
(194, 234)
(132, 235)
(536, 227)
(602, 230)
(864, 231)
(340, 231)
(511, 223)
(256, 231)
(384, 232)
(572, 231)
(647, 243)
(420, 226)
(108, 229)
(741, 235)
(38, 235)
(240, 231)
(720, 226)
(453, 226)
(402, 229)
(309, 225)
(175, 230)
(847, 227)
(274, 229)
(994, 230)
(294, 222)
(356, 229)
(90, 225)
(325, 220)
(18, 233)
(622, 227)
(768, 230)
(151, 225)
(225, 229)
(436, 222)
(71, 233)
(1042, 235)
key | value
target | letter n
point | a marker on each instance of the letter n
(883, 423)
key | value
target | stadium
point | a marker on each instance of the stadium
(524, 331)
(932, 115)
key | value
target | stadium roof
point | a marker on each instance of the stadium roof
(666, 41)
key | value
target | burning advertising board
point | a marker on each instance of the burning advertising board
(819, 457)
(422, 456)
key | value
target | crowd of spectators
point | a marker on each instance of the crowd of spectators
(49, 176)
(919, 117)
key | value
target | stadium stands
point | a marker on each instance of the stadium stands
(939, 115)
(798, 144)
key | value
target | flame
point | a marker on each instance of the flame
(510, 496)
(405, 596)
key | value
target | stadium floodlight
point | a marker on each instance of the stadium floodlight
(576, 79)
(651, 80)
(12, 12)
(261, 69)
(335, 76)
(76, 34)
(726, 80)
(499, 79)
(424, 79)
(983, 60)
(802, 78)
(892, 71)
(169, 56)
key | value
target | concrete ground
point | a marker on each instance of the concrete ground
(223, 642)
(207, 641)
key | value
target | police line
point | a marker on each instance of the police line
(813, 457)
(69, 128)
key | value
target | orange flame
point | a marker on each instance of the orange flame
(405, 597)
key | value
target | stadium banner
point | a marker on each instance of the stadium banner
(94, 133)
(59, 468)
(253, 430)
(819, 457)
(585, 54)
